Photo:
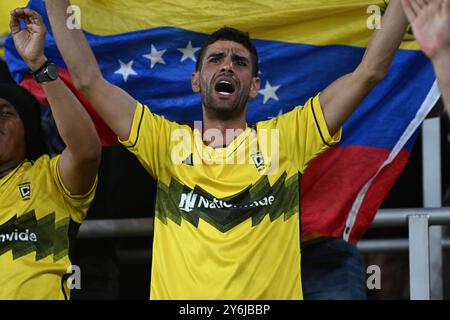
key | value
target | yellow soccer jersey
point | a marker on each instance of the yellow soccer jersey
(227, 219)
(35, 212)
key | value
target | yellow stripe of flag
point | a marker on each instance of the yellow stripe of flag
(315, 22)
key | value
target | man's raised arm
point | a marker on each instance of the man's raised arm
(80, 159)
(114, 105)
(342, 97)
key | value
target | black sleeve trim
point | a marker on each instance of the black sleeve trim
(317, 123)
(66, 191)
(139, 127)
(63, 289)
(72, 235)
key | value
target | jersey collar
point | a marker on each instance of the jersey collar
(11, 173)
(220, 151)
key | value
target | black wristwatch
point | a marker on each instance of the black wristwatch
(48, 72)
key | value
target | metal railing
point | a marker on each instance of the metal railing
(418, 221)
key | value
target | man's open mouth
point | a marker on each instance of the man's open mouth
(224, 87)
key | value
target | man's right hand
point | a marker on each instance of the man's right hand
(430, 21)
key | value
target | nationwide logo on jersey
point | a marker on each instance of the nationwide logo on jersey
(178, 202)
(25, 191)
(25, 234)
(16, 235)
(189, 201)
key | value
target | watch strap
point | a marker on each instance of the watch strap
(40, 69)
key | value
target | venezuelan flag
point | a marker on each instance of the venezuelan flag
(149, 49)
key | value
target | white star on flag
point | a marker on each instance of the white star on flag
(269, 92)
(188, 52)
(280, 113)
(126, 70)
(155, 56)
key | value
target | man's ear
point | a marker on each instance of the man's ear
(195, 81)
(254, 89)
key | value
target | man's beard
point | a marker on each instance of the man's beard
(225, 108)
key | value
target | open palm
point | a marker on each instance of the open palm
(29, 41)
(430, 23)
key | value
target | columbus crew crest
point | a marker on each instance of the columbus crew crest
(25, 191)
(258, 160)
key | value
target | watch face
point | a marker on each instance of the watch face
(52, 71)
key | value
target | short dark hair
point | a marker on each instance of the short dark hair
(29, 111)
(235, 35)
